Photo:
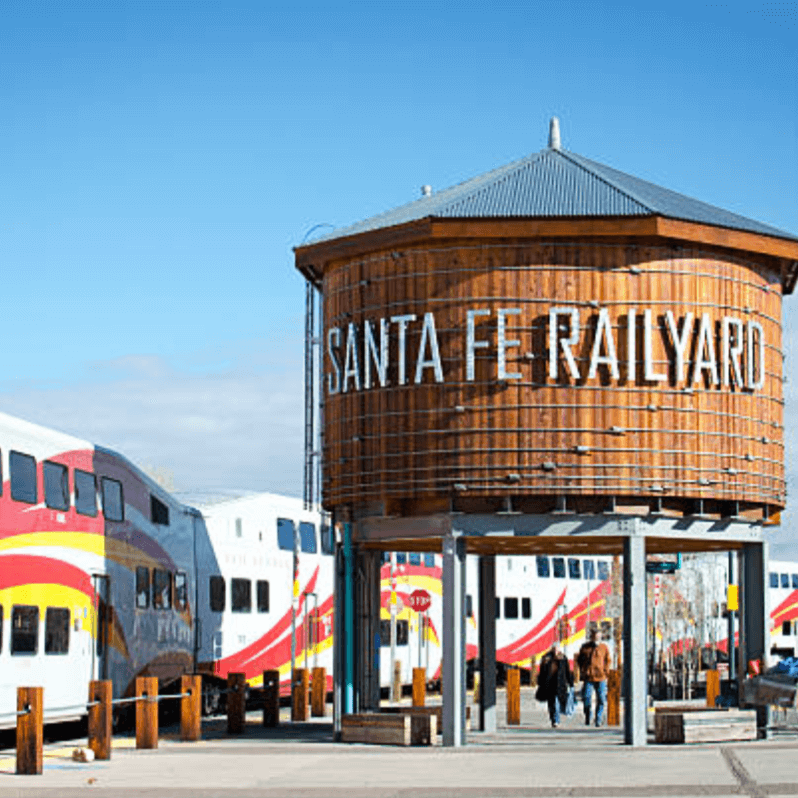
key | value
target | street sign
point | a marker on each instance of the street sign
(659, 567)
(419, 600)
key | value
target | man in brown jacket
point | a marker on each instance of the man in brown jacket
(594, 666)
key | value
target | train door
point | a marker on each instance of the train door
(103, 612)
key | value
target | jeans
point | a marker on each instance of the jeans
(554, 710)
(601, 700)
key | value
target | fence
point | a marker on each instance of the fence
(30, 713)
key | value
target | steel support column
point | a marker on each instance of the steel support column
(754, 615)
(453, 665)
(487, 643)
(634, 640)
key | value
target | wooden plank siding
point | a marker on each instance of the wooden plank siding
(419, 444)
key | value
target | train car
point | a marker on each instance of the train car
(96, 569)
(783, 586)
(265, 574)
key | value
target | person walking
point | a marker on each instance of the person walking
(594, 667)
(555, 681)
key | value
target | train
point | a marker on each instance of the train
(104, 574)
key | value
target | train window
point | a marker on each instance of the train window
(786, 627)
(469, 608)
(142, 587)
(510, 607)
(239, 528)
(774, 580)
(56, 486)
(217, 593)
(429, 560)
(785, 580)
(285, 534)
(543, 565)
(402, 633)
(23, 477)
(263, 595)
(498, 608)
(327, 543)
(795, 581)
(603, 570)
(56, 630)
(85, 493)
(113, 501)
(574, 571)
(241, 595)
(24, 630)
(161, 589)
(589, 569)
(307, 537)
(181, 591)
(401, 558)
(159, 512)
(526, 607)
(558, 566)
(386, 557)
(415, 558)
(606, 630)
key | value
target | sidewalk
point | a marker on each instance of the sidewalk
(300, 760)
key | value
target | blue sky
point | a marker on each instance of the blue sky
(160, 159)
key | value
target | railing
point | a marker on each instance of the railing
(30, 711)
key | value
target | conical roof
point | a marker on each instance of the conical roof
(555, 183)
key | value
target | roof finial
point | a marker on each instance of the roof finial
(554, 133)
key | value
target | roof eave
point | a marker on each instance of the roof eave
(311, 259)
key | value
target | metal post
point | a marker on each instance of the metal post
(487, 643)
(349, 640)
(634, 642)
(294, 597)
(754, 617)
(453, 665)
(730, 624)
(392, 608)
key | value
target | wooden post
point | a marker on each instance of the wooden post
(713, 687)
(419, 686)
(614, 698)
(513, 697)
(318, 686)
(396, 687)
(147, 712)
(191, 708)
(30, 730)
(100, 718)
(271, 698)
(299, 695)
(236, 702)
(477, 696)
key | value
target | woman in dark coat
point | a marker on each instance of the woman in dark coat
(555, 681)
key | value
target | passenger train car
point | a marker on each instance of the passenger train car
(104, 574)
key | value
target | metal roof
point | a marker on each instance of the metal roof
(556, 183)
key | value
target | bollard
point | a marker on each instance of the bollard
(396, 685)
(477, 695)
(30, 730)
(318, 696)
(713, 687)
(419, 687)
(614, 698)
(271, 698)
(236, 703)
(513, 697)
(299, 695)
(191, 708)
(147, 712)
(100, 718)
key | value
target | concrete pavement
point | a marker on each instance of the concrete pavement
(302, 761)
